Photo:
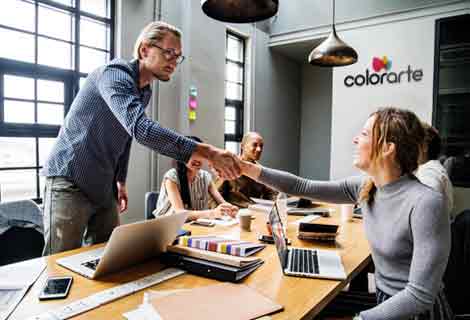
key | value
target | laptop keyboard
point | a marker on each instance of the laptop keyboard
(92, 264)
(304, 261)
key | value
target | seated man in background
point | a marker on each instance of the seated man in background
(430, 171)
(239, 191)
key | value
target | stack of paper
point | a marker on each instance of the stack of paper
(15, 280)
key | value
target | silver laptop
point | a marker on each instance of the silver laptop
(304, 262)
(128, 245)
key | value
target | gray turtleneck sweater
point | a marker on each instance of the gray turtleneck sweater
(408, 233)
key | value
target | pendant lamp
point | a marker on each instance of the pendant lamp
(240, 11)
(332, 52)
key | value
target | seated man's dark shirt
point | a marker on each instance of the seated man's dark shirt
(239, 191)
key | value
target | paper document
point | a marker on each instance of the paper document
(225, 221)
(146, 311)
(15, 280)
(270, 203)
(305, 219)
(21, 274)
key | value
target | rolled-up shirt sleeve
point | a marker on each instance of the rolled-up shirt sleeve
(123, 98)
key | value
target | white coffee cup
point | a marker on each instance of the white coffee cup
(245, 218)
(347, 212)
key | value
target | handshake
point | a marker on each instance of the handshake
(225, 164)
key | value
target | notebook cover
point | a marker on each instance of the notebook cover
(220, 301)
(209, 269)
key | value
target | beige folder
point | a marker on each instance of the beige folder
(226, 301)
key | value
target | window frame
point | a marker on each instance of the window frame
(69, 77)
(239, 105)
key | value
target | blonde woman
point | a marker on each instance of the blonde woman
(408, 234)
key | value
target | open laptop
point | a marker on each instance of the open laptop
(128, 245)
(304, 262)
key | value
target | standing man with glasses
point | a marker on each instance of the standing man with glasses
(87, 168)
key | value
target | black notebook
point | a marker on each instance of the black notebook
(209, 269)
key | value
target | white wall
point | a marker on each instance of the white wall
(277, 106)
(302, 17)
(315, 132)
(131, 17)
(405, 43)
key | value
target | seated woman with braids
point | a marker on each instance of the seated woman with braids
(189, 187)
(408, 233)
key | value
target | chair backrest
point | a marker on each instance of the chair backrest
(457, 275)
(21, 229)
(151, 198)
(16, 212)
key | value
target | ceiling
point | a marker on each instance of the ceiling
(298, 51)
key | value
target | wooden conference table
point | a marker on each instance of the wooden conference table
(302, 298)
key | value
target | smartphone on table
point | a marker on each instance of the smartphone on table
(56, 288)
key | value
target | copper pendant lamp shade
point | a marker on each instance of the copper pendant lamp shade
(240, 11)
(332, 52)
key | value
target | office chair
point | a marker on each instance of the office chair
(22, 238)
(151, 198)
(457, 276)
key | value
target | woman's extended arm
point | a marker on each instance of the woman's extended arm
(342, 191)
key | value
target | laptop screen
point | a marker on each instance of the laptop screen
(278, 234)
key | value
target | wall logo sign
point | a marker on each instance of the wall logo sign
(381, 74)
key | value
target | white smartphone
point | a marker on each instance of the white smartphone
(56, 288)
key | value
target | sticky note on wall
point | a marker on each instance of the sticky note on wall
(192, 103)
(192, 115)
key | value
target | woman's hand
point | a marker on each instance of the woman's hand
(225, 209)
(249, 169)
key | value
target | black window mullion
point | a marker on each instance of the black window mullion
(28, 130)
(57, 5)
(74, 10)
(36, 29)
(2, 105)
(239, 63)
(38, 193)
(111, 29)
(77, 42)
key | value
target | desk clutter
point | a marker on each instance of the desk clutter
(210, 257)
(219, 301)
(222, 245)
(100, 298)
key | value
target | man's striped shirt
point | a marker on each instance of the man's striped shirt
(93, 146)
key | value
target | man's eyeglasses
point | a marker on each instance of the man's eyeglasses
(170, 54)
